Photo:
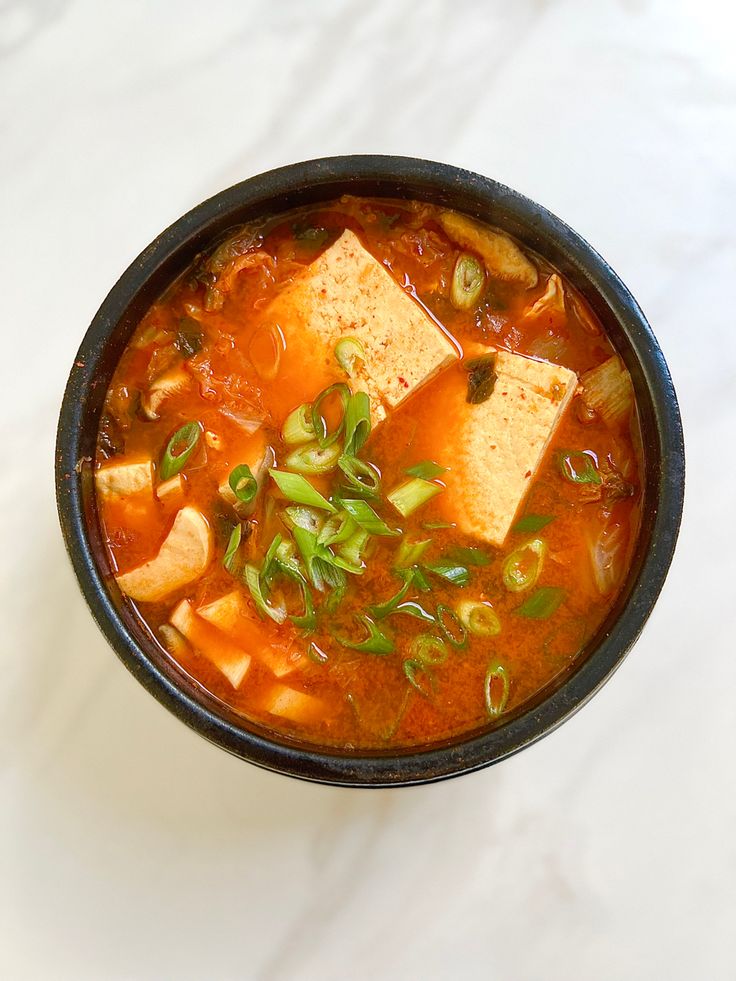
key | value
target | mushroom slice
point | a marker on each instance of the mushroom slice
(170, 383)
(552, 301)
(503, 257)
(183, 557)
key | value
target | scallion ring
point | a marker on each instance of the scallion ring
(496, 688)
(319, 423)
(314, 458)
(451, 626)
(243, 484)
(348, 350)
(179, 449)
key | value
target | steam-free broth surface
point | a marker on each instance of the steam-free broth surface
(280, 550)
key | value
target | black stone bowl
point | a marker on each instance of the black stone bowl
(323, 180)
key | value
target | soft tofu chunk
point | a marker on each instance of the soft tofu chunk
(296, 706)
(119, 480)
(183, 557)
(500, 443)
(171, 490)
(348, 293)
(228, 657)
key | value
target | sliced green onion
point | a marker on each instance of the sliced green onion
(306, 621)
(469, 556)
(457, 575)
(479, 618)
(243, 484)
(361, 475)
(578, 467)
(381, 610)
(253, 582)
(230, 560)
(377, 642)
(179, 449)
(297, 427)
(531, 523)
(412, 494)
(451, 626)
(523, 567)
(287, 559)
(427, 469)
(306, 518)
(481, 378)
(319, 423)
(316, 654)
(296, 488)
(357, 423)
(410, 552)
(420, 580)
(413, 609)
(314, 458)
(330, 571)
(320, 562)
(348, 350)
(496, 688)
(335, 598)
(542, 603)
(468, 279)
(338, 528)
(350, 552)
(437, 525)
(429, 649)
(419, 677)
(269, 560)
(366, 517)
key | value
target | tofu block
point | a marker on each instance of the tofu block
(171, 490)
(296, 706)
(500, 443)
(347, 293)
(120, 480)
(229, 658)
(183, 557)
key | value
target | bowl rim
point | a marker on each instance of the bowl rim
(412, 176)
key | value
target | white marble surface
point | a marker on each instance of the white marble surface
(129, 847)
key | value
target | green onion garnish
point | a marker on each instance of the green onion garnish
(334, 599)
(306, 621)
(468, 279)
(179, 449)
(419, 677)
(303, 517)
(429, 649)
(253, 582)
(437, 525)
(316, 654)
(297, 427)
(313, 458)
(479, 618)
(420, 580)
(296, 488)
(319, 423)
(410, 552)
(316, 557)
(412, 494)
(357, 423)
(468, 556)
(481, 378)
(377, 642)
(366, 517)
(451, 626)
(243, 484)
(350, 552)
(457, 575)
(427, 469)
(542, 603)
(338, 528)
(269, 568)
(578, 467)
(230, 560)
(287, 559)
(413, 609)
(348, 350)
(523, 567)
(382, 610)
(531, 523)
(496, 688)
(361, 476)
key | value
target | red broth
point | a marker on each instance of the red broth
(238, 385)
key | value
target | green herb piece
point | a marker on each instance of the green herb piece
(428, 649)
(333, 600)
(481, 378)
(230, 560)
(468, 279)
(457, 575)
(377, 641)
(269, 568)
(313, 458)
(578, 467)
(361, 476)
(316, 654)
(413, 609)
(306, 621)
(523, 567)
(179, 449)
(338, 528)
(437, 525)
(542, 603)
(296, 488)
(427, 469)
(420, 580)
(410, 552)
(479, 618)
(496, 688)
(350, 552)
(412, 494)
(357, 423)
(419, 677)
(531, 523)
(253, 582)
(348, 350)
(303, 517)
(361, 512)
(297, 427)
(188, 340)
(319, 423)
(243, 484)
(468, 556)
(287, 559)
(451, 626)
(382, 610)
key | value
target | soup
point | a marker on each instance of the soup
(370, 472)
